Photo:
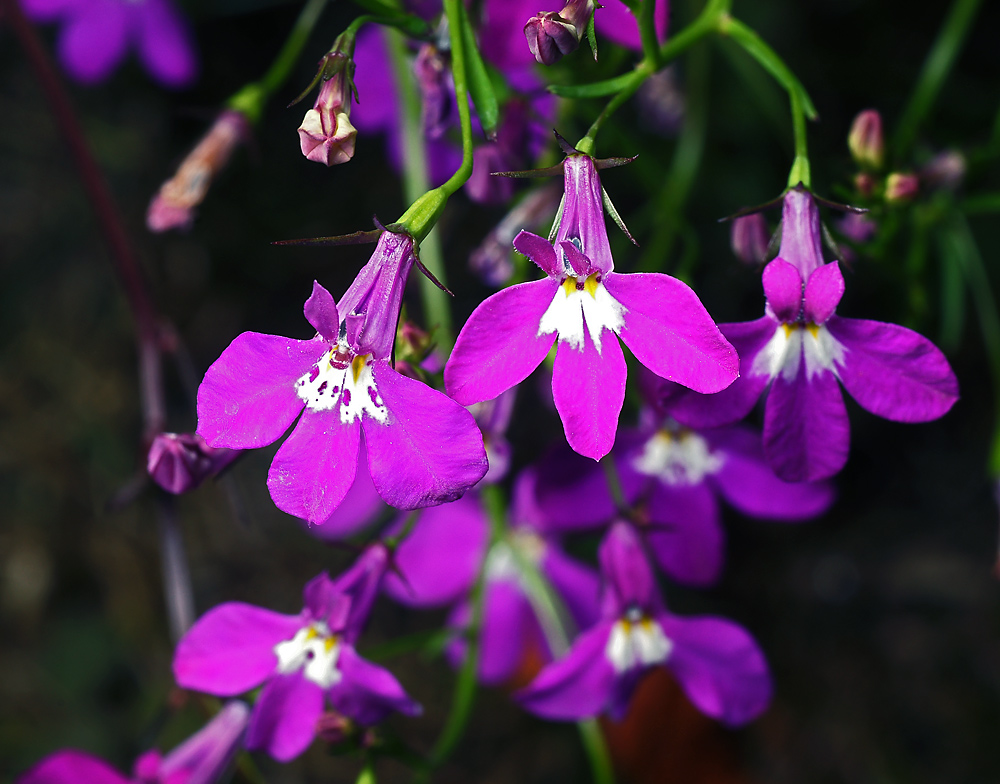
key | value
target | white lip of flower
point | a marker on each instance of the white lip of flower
(578, 300)
(678, 458)
(343, 381)
(790, 342)
(314, 650)
(637, 641)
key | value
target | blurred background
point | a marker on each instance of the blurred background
(881, 620)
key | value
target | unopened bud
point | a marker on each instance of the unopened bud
(551, 35)
(749, 238)
(326, 134)
(901, 187)
(944, 171)
(179, 462)
(173, 206)
(866, 141)
(865, 184)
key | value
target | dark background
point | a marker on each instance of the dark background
(880, 620)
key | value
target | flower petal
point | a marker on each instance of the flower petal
(719, 666)
(500, 344)
(577, 584)
(686, 537)
(588, 387)
(629, 581)
(509, 626)
(748, 483)
(578, 686)
(368, 693)
(783, 290)
(430, 450)
(93, 40)
(315, 467)
(617, 23)
(540, 251)
(893, 371)
(438, 562)
(671, 333)
(824, 289)
(359, 508)
(806, 430)
(737, 400)
(321, 311)
(70, 766)
(283, 722)
(165, 45)
(230, 649)
(248, 398)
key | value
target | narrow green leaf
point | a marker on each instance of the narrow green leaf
(593, 90)
(480, 84)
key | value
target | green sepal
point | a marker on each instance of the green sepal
(484, 98)
(592, 36)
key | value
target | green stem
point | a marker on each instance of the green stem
(251, 99)
(647, 33)
(937, 66)
(416, 182)
(597, 751)
(456, 20)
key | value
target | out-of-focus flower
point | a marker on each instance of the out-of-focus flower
(661, 103)
(173, 206)
(326, 134)
(179, 462)
(716, 662)
(201, 759)
(423, 448)
(749, 238)
(587, 307)
(436, 90)
(97, 34)
(900, 186)
(301, 660)
(799, 350)
(493, 418)
(866, 141)
(944, 171)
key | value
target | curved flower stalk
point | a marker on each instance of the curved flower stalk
(423, 448)
(97, 34)
(585, 307)
(302, 661)
(799, 351)
(717, 663)
(438, 563)
(201, 759)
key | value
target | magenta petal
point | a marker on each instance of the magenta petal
(588, 388)
(283, 722)
(70, 766)
(230, 649)
(824, 289)
(165, 46)
(671, 333)
(578, 686)
(617, 23)
(509, 624)
(747, 482)
(368, 693)
(49, 10)
(806, 431)
(893, 371)
(783, 290)
(315, 467)
(94, 39)
(540, 251)
(438, 562)
(686, 538)
(247, 398)
(579, 262)
(359, 508)
(738, 399)
(204, 757)
(719, 667)
(801, 234)
(500, 344)
(577, 584)
(321, 311)
(429, 452)
(629, 581)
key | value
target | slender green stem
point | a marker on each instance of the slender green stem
(416, 182)
(800, 172)
(647, 33)
(937, 66)
(597, 751)
(459, 71)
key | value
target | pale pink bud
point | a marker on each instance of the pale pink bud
(551, 35)
(173, 206)
(179, 462)
(866, 141)
(901, 187)
(749, 238)
(326, 133)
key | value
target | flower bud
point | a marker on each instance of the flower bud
(173, 206)
(551, 35)
(866, 141)
(901, 187)
(179, 462)
(749, 238)
(326, 134)
(864, 183)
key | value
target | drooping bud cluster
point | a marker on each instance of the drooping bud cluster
(552, 35)
(326, 134)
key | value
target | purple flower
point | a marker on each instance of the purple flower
(96, 34)
(749, 238)
(423, 448)
(799, 350)
(201, 759)
(301, 660)
(552, 34)
(326, 134)
(584, 304)
(716, 662)
(179, 462)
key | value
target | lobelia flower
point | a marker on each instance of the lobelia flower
(201, 759)
(587, 307)
(423, 448)
(799, 350)
(716, 663)
(553, 34)
(96, 35)
(301, 660)
(749, 238)
(173, 205)
(326, 134)
(179, 462)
